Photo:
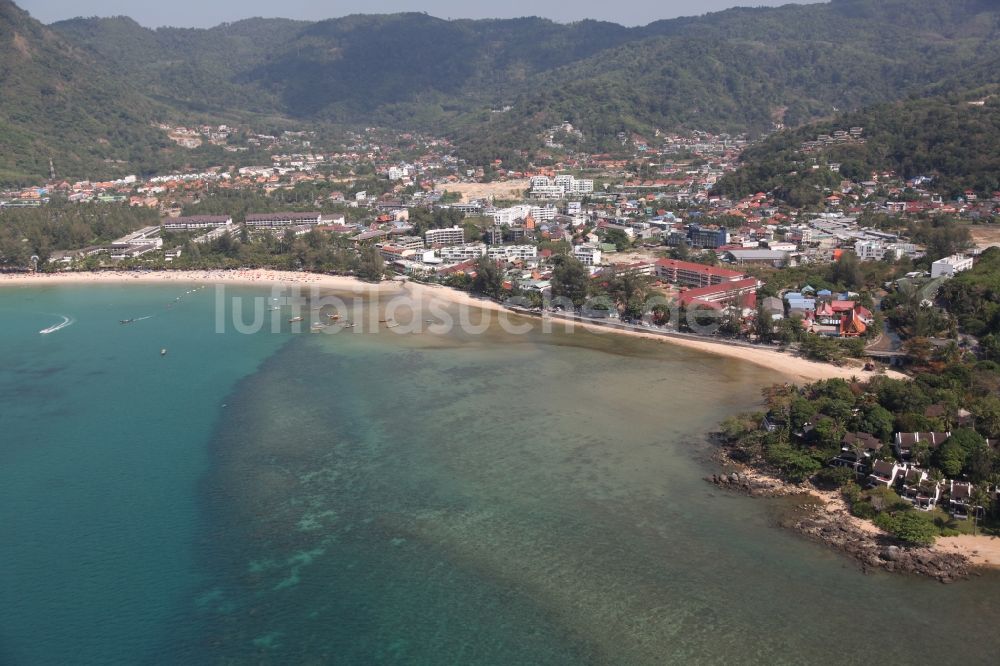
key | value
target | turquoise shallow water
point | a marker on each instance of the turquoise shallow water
(416, 499)
(103, 444)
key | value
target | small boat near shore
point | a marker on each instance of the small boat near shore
(294, 320)
(66, 321)
(163, 352)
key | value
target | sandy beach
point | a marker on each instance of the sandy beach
(790, 367)
(981, 550)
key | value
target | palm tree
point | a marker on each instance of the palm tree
(950, 354)
(980, 499)
(858, 450)
(920, 350)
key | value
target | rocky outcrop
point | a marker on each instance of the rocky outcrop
(754, 485)
(837, 528)
(879, 551)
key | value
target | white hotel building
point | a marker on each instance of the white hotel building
(587, 254)
(450, 236)
(278, 220)
(561, 186)
(949, 266)
(456, 253)
(196, 222)
(508, 216)
(512, 252)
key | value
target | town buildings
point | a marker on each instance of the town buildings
(450, 236)
(560, 187)
(949, 266)
(280, 220)
(512, 252)
(588, 254)
(738, 292)
(460, 253)
(690, 274)
(196, 222)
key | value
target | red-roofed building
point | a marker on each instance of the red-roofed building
(689, 274)
(839, 319)
(703, 305)
(739, 292)
(468, 267)
(851, 326)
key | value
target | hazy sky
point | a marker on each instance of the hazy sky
(202, 13)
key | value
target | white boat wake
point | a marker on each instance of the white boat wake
(66, 321)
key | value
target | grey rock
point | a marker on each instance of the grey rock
(891, 554)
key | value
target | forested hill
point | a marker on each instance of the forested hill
(344, 69)
(953, 139)
(58, 102)
(740, 69)
(200, 70)
(736, 69)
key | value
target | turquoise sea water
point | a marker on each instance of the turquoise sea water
(417, 499)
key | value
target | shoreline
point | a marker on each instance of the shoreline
(787, 365)
(831, 523)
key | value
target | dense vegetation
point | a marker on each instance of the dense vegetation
(973, 298)
(734, 70)
(82, 110)
(811, 423)
(951, 139)
(60, 103)
(315, 251)
(37, 232)
(744, 68)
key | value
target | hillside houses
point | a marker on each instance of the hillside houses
(879, 466)
(823, 313)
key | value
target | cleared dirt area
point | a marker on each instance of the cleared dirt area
(985, 237)
(636, 256)
(511, 189)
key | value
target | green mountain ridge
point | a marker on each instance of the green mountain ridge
(953, 139)
(737, 70)
(59, 103)
(740, 69)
